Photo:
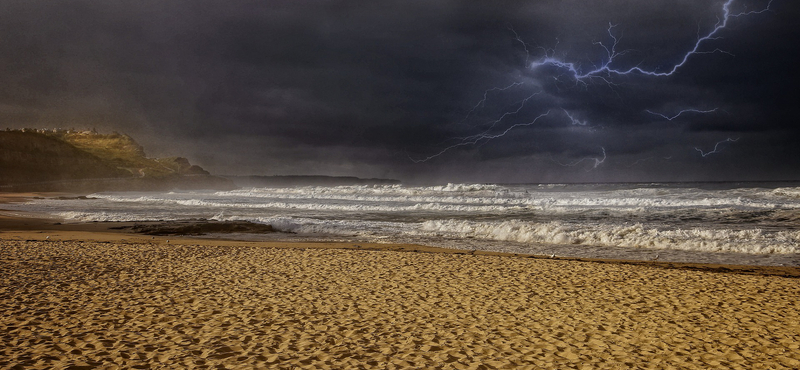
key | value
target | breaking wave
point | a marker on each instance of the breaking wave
(746, 220)
(754, 241)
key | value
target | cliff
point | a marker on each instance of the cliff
(68, 160)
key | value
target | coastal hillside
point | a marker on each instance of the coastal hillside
(70, 160)
(27, 157)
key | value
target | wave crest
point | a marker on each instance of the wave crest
(754, 241)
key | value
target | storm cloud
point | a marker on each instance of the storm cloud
(383, 89)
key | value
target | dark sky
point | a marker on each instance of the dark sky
(374, 89)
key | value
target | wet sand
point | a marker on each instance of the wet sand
(84, 296)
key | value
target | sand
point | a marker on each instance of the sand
(149, 303)
(78, 296)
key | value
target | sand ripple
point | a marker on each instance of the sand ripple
(115, 305)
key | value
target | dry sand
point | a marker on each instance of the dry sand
(150, 304)
(85, 296)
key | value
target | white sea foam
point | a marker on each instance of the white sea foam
(635, 236)
(753, 221)
(89, 216)
(465, 198)
(788, 192)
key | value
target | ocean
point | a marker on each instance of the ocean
(731, 223)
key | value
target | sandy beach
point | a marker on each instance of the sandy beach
(96, 295)
(105, 300)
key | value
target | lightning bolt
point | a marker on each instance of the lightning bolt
(524, 44)
(640, 161)
(574, 120)
(681, 113)
(486, 96)
(494, 123)
(597, 160)
(716, 147)
(605, 68)
(474, 139)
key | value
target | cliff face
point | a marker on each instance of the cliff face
(121, 151)
(61, 160)
(27, 157)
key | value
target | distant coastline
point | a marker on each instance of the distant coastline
(305, 180)
(85, 161)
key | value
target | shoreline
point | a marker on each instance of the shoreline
(18, 227)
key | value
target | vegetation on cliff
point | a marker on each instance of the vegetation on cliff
(64, 159)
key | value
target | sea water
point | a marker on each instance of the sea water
(744, 223)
